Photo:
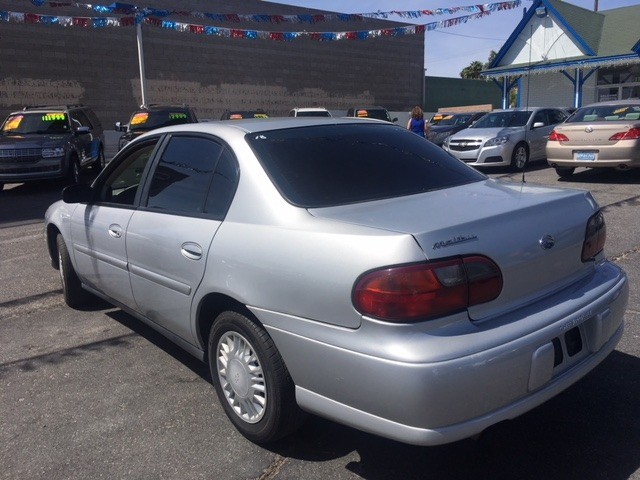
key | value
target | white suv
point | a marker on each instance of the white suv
(309, 112)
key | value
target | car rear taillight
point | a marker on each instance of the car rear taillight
(417, 292)
(631, 134)
(594, 237)
(558, 137)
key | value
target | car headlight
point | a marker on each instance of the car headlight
(493, 142)
(52, 152)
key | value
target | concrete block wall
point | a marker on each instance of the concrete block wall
(99, 66)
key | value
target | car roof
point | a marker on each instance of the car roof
(309, 109)
(628, 101)
(255, 125)
(48, 108)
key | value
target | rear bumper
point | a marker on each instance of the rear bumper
(613, 156)
(447, 399)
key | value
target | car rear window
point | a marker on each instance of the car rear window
(331, 165)
(606, 113)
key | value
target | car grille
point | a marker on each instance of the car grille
(20, 155)
(49, 168)
(463, 145)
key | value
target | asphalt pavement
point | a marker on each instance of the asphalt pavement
(96, 394)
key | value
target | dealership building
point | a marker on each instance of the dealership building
(564, 55)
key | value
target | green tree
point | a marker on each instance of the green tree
(472, 71)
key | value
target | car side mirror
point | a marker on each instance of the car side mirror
(395, 119)
(78, 193)
(82, 130)
(537, 125)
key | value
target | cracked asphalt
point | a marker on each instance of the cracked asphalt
(96, 394)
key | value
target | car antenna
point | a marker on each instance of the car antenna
(526, 129)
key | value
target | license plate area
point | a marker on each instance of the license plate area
(567, 346)
(585, 156)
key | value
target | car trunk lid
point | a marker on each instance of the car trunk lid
(592, 135)
(534, 234)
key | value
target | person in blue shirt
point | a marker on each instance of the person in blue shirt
(416, 123)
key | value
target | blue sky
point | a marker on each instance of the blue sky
(449, 50)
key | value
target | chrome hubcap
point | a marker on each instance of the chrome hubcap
(241, 377)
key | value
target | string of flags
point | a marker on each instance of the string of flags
(133, 15)
(128, 9)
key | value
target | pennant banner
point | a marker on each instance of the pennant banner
(128, 9)
(131, 18)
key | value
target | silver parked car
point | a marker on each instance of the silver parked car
(334, 266)
(505, 137)
(600, 135)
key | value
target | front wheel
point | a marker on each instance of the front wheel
(519, 157)
(564, 172)
(75, 174)
(74, 295)
(251, 379)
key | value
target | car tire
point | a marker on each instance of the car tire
(75, 174)
(519, 156)
(564, 172)
(251, 379)
(74, 295)
(102, 162)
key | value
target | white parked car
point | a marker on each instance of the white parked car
(309, 112)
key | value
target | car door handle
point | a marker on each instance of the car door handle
(115, 230)
(192, 251)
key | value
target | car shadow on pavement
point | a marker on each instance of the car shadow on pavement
(590, 431)
(604, 176)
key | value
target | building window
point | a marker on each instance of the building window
(618, 83)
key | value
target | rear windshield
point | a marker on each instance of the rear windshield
(331, 165)
(606, 113)
(455, 120)
(377, 113)
(503, 119)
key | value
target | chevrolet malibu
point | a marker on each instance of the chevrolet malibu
(345, 268)
(505, 137)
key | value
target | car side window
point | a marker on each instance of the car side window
(122, 185)
(181, 180)
(556, 116)
(79, 119)
(541, 116)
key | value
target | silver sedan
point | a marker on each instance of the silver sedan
(346, 268)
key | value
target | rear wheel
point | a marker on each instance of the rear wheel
(519, 156)
(251, 379)
(74, 295)
(564, 172)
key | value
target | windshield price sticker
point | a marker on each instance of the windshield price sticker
(52, 117)
(13, 123)
(139, 118)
